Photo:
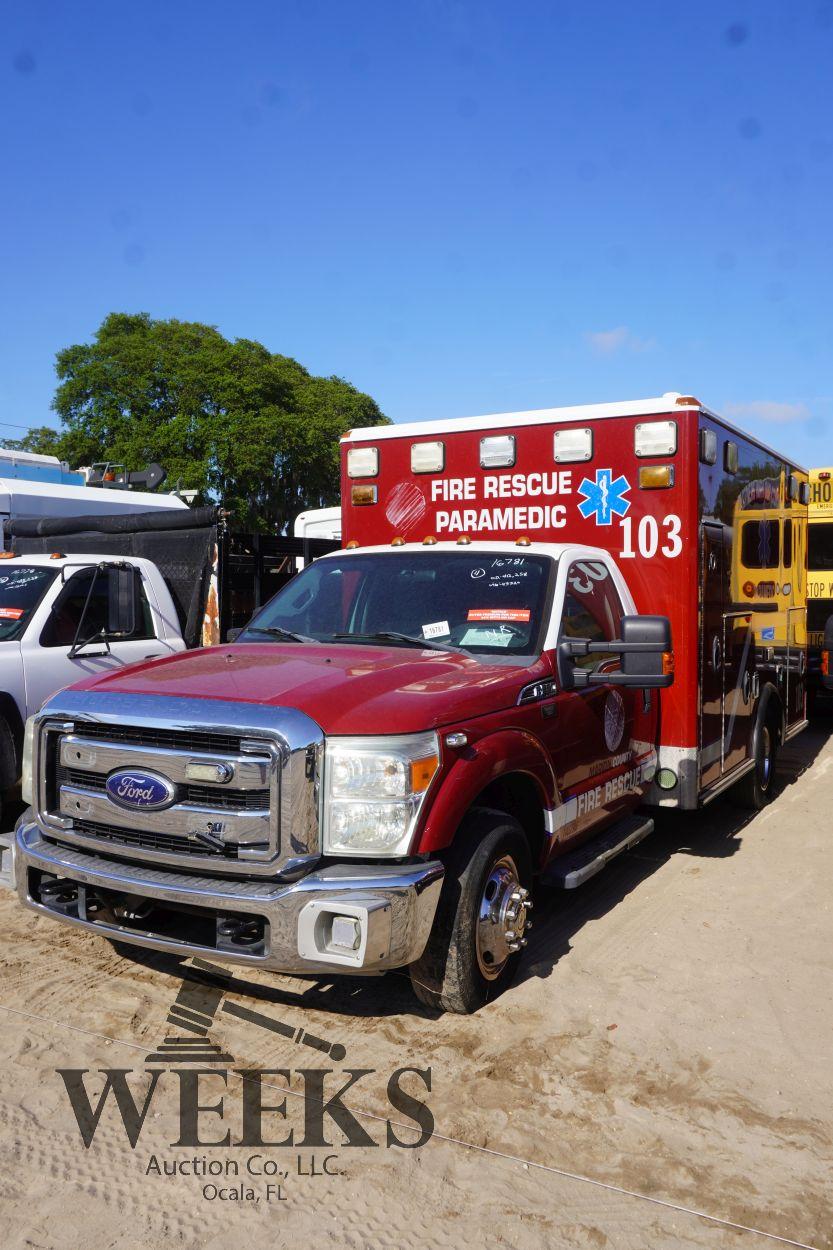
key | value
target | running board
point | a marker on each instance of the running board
(576, 867)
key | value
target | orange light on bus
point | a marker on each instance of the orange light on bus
(749, 589)
(825, 663)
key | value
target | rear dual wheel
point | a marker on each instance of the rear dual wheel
(482, 916)
(755, 790)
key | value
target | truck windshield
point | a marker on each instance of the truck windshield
(820, 546)
(21, 589)
(481, 602)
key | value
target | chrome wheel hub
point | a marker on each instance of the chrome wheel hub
(503, 918)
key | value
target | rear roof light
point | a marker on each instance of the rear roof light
(427, 457)
(655, 438)
(572, 446)
(497, 451)
(687, 401)
(363, 462)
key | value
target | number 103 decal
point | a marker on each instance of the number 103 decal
(652, 536)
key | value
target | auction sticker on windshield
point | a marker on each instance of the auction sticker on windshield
(11, 614)
(498, 614)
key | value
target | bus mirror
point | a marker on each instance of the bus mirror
(804, 493)
(645, 648)
(826, 660)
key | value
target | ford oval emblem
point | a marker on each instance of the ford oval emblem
(134, 788)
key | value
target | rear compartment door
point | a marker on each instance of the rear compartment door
(714, 578)
(727, 662)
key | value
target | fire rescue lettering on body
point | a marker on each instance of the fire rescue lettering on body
(604, 500)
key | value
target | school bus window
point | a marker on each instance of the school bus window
(759, 545)
(820, 546)
(788, 545)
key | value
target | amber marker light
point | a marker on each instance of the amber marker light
(667, 663)
(422, 771)
(363, 495)
(656, 476)
(523, 542)
(429, 541)
(397, 542)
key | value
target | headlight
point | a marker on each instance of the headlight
(27, 790)
(375, 788)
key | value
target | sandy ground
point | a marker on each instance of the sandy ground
(669, 1035)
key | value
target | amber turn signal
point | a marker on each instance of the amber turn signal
(825, 663)
(667, 663)
(422, 771)
(362, 495)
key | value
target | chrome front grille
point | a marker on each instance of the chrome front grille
(262, 820)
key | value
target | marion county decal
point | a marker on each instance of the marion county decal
(604, 497)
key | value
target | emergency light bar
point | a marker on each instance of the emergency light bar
(427, 457)
(497, 452)
(363, 462)
(655, 438)
(571, 446)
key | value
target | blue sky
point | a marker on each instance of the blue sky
(461, 207)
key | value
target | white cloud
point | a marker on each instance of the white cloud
(769, 410)
(608, 342)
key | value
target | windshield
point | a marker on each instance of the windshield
(477, 602)
(820, 546)
(21, 590)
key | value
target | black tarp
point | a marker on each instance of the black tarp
(181, 542)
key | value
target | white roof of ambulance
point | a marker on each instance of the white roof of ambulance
(659, 405)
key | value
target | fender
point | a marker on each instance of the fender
(472, 769)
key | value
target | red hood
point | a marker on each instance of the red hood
(345, 689)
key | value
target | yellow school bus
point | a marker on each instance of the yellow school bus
(819, 566)
(769, 558)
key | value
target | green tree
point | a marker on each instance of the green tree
(246, 427)
(41, 439)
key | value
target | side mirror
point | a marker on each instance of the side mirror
(121, 600)
(645, 648)
(233, 634)
(826, 656)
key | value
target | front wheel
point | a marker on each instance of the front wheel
(482, 916)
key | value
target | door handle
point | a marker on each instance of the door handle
(155, 655)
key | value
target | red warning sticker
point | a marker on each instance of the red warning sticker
(11, 614)
(498, 614)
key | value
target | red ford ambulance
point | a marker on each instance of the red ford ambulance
(540, 624)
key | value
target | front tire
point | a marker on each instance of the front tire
(478, 933)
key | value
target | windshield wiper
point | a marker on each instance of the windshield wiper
(275, 631)
(401, 640)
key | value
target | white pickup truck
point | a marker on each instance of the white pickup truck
(64, 618)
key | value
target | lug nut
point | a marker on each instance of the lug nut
(511, 936)
(523, 942)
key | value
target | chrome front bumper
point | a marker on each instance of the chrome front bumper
(384, 911)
